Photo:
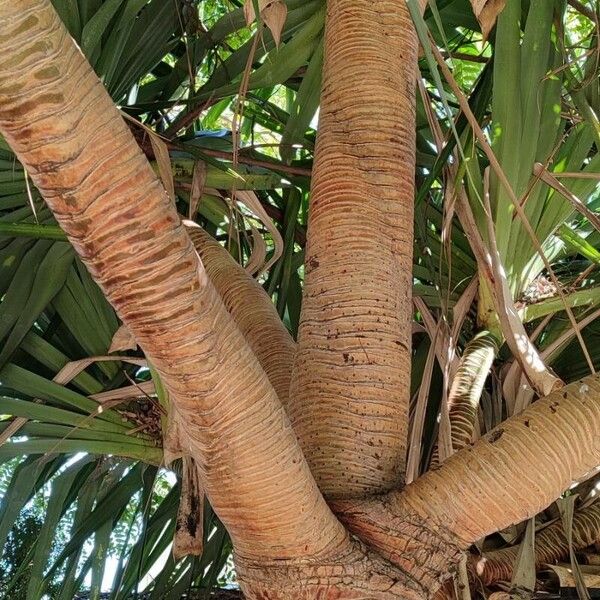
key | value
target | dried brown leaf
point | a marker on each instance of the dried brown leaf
(418, 422)
(197, 189)
(123, 393)
(251, 201)
(259, 252)
(122, 340)
(163, 160)
(272, 12)
(487, 12)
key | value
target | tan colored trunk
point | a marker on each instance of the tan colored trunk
(350, 388)
(507, 476)
(66, 131)
(251, 309)
(351, 375)
(64, 127)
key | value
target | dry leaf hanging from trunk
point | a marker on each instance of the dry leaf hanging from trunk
(122, 340)
(487, 12)
(272, 12)
(189, 529)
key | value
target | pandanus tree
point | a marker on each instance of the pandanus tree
(312, 452)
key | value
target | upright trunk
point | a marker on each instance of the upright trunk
(351, 381)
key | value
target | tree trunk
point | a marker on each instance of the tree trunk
(349, 392)
(351, 382)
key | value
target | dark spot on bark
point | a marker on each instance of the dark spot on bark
(496, 435)
(526, 422)
(554, 407)
(565, 395)
(191, 523)
(346, 357)
(313, 262)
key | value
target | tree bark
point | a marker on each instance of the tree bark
(351, 380)
(467, 387)
(354, 354)
(252, 310)
(551, 545)
(507, 476)
(67, 132)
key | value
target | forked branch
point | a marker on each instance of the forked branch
(506, 477)
(65, 129)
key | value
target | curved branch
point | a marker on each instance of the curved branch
(465, 393)
(551, 545)
(349, 398)
(65, 129)
(251, 309)
(466, 389)
(506, 477)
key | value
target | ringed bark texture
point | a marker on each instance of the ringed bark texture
(351, 380)
(507, 476)
(65, 129)
(252, 310)
(465, 393)
(551, 545)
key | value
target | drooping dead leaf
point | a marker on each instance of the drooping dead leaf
(197, 188)
(566, 507)
(418, 421)
(251, 201)
(272, 12)
(259, 252)
(190, 516)
(145, 388)
(524, 575)
(566, 577)
(487, 12)
(122, 340)
(163, 160)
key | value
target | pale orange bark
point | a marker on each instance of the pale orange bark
(351, 381)
(551, 545)
(251, 309)
(506, 477)
(65, 129)
(467, 387)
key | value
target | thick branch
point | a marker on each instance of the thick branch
(251, 309)
(351, 377)
(58, 118)
(506, 477)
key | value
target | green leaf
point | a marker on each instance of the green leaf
(97, 25)
(50, 276)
